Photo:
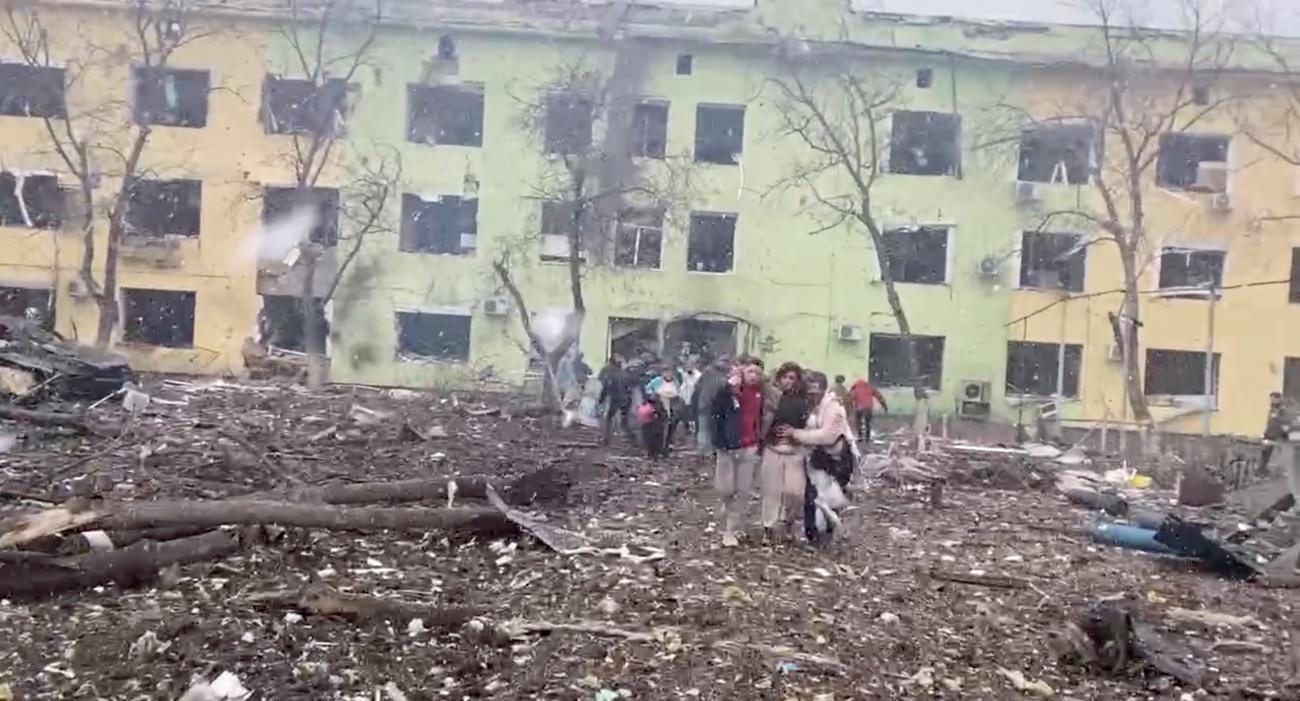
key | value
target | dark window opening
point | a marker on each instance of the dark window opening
(158, 317)
(32, 303)
(557, 222)
(1291, 379)
(1182, 268)
(1183, 158)
(1178, 373)
(280, 202)
(1057, 153)
(297, 106)
(639, 239)
(888, 364)
(164, 208)
(445, 114)
(925, 143)
(925, 78)
(1052, 261)
(171, 97)
(1201, 95)
(917, 255)
(1294, 291)
(685, 64)
(719, 134)
(630, 337)
(712, 244)
(650, 130)
(31, 91)
(282, 322)
(433, 336)
(446, 48)
(1034, 368)
(699, 337)
(445, 225)
(568, 123)
(30, 201)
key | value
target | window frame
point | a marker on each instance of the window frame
(934, 380)
(734, 217)
(711, 155)
(1068, 392)
(897, 146)
(920, 230)
(139, 94)
(418, 94)
(407, 356)
(190, 297)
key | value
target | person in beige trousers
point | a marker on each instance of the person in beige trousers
(781, 472)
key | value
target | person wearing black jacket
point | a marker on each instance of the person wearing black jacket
(616, 385)
(734, 417)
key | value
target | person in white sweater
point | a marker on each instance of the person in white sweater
(832, 456)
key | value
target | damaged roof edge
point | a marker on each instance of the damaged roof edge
(737, 28)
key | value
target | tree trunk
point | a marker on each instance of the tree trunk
(150, 514)
(900, 317)
(1130, 342)
(107, 298)
(313, 331)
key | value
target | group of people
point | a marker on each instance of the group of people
(795, 433)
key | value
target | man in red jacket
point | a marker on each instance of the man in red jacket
(865, 397)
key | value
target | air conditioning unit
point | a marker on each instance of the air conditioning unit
(555, 247)
(496, 306)
(1211, 176)
(1028, 193)
(851, 333)
(975, 410)
(1221, 202)
(468, 242)
(989, 267)
(976, 391)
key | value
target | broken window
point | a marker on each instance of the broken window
(450, 115)
(699, 337)
(1033, 369)
(685, 64)
(164, 208)
(171, 97)
(31, 91)
(632, 337)
(1178, 373)
(925, 143)
(279, 203)
(281, 323)
(557, 222)
(1197, 162)
(640, 238)
(1051, 261)
(712, 244)
(28, 303)
(1057, 153)
(888, 364)
(158, 317)
(433, 336)
(1291, 379)
(568, 122)
(719, 134)
(925, 78)
(650, 130)
(917, 255)
(447, 225)
(1294, 292)
(298, 106)
(1190, 269)
(30, 201)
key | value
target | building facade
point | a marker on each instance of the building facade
(438, 99)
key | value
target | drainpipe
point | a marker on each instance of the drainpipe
(1209, 364)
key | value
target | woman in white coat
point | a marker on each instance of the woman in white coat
(831, 458)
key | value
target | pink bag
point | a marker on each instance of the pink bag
(645, 413)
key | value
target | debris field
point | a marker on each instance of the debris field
(198, 540)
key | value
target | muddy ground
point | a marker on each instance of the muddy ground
(707, 622)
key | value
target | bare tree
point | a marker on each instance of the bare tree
(597, 172)
(1149, 85)
(1270, 119)
(841, 110)
(101, 150)
(329, 43)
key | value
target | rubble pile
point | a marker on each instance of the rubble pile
(202, 539)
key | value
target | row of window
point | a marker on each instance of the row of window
(921, 142)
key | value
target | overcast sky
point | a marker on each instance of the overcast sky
(1283, 16)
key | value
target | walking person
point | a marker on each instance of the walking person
(1275, 430)
(781, 471)
(665, 390)
(865, 397)
(616, 396)
(736, 415)
(832, 458)
(712, 381)
(845, 395)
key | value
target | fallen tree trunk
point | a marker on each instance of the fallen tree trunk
(26, 575)
(375, 492)
(128, 516)
(45, 418)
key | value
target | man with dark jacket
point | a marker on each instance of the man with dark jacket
(736, 417)
(712, 381)
(616, 393)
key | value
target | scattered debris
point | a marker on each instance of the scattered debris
(1020, 682)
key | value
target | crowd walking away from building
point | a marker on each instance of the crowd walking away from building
(791, 441)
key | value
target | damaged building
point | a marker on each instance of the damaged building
(1009, 312)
